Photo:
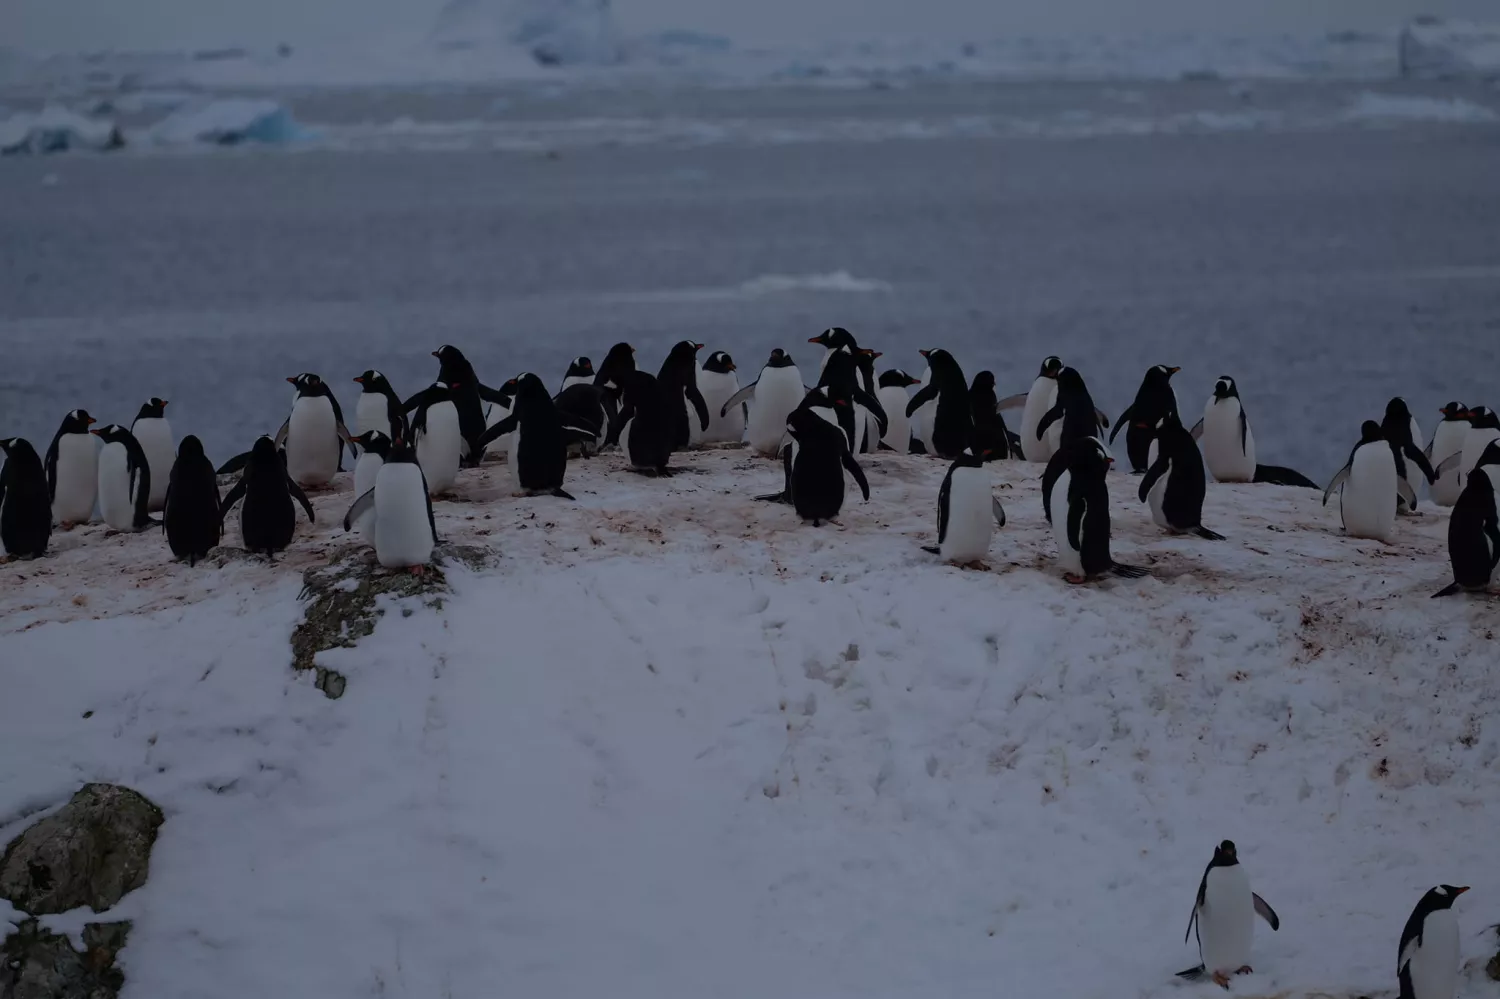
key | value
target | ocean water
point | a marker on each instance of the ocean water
(1327, 266)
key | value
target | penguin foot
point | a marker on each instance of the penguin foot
(1221, 980)
(976, 565)
(417, 570)
(1074, 578)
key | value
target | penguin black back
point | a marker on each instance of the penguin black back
(991, 435)
(1075, 407)
(25, 500)
(191, 518)
(617, 364)
(268, 519)
(1153, 401)
(1396, 428)
(469, 393)
(819, 458)
(1179, 472)
(953, 423)
(678, 382)
(649, 412)
(373, 381)
(541, 450)
(840, 382)
(1474, 529)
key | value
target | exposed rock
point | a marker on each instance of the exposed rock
(91, 852)
(38, 964)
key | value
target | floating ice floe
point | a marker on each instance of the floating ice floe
(1432, 48)
(1370, 106)
(55, 129)
(229, 122)
(553, 32)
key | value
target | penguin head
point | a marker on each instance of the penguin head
(1454, 411)
(1490, 455)
(580, 367)
(111, 434)
(18, 449)
(373, 381)
(402, 451)
(619, 362)
(835, 338)
(1050, 367)
(77, 422)
(449, 354)
(375, 442)
(940, 361)
(896, 378)
(308, 383)
(1396, 410)
(1161, 372)
(864, 358)
(1089, 455)
(1480, 418)
(1069, 380)
(682, 356)
(719, 362)
(1225, 854)
(528, 389)
(264, 452)
(1370, 432)
(1225, 388)
(780, 359)
(968, 459)
(1440, 897)
(984, 380)
(636, 385)
(152, 409)
(190, 447)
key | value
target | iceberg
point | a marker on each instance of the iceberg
(553, 32)
(56, 129)
(229, 122)
(1431, 48)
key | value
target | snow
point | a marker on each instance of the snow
(1433, 48)
(676, 742)
(228, 122)
(55, 129)
(1371, 106)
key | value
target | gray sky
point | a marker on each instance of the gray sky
(69, 24)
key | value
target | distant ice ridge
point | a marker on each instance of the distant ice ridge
(1396, 108)
(767, 284)
(1431, 48)
(56, 129)
(553, 32)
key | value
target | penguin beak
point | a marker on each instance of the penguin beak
(97, 433)
(732, 366)
(360, 379)
(92, 421)
(1173, 370)
(815, 339)
(434, 353)
(291, 381)
(697, 346)
(1460, 891)
(916, 381)
(1109, 461)
(924, 353)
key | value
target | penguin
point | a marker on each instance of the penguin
(1369, 485)
(953, 421)
(587, 407)
(436, 433)
(1397, 428)
(268, 519)
(816, 458)
(152, 431)
(1075, 499)
(124, 480)
(870, 430)
(1484, 426)
(1448, 440)
(1229, 444)
(1224, 918)
(25, 503)
(833, 340)
(893, 397)
(1428, 958)
(400, 503)
(1474, 529)
(647, 423)
(314, 435)
(719, 383)
(469, 395)
(191, 519)
(1038, 403)
(678, 382)
(775, 393)
(494, 412)
(611, 376)
(374, 448)
(921, 420)
(72, 465)
(968, 513)
(1154, 400)
(379, 408)
(539, 456)
(840, 382)
(1075, 410)
(580, 372)
(991, 435)
(1175, 484)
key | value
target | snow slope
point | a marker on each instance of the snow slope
(677, 743)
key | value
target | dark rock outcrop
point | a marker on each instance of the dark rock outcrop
(36, 963)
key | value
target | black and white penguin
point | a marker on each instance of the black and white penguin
(833, 340)
(469, 396)
(1075, 498)
(1397, 428)
(580, 372)
(588, 407)
(152, 431)
(1038, 403)
(374, 448)
(400, 503)
(953, 421)
(268, 518)
(1074, 410)
(314, 435)
(1448, 440)
(1484, 427)
(618, 363)
(1175, 484)
(870, 428)
(968, 512)
(72, 466)
(1368, 486)
(1428, 958)
(647, 423)
(1229, 444)
(25, 506)
(771, 398)
(539, 456)
(1474, 528)
(1153, 400)
(893, 395)
(191, 518)
(379, 407)
(719, 383)
(124, 480)
(991, 435)
(840, 382)
(817, 456)
(678, 381)
(437, 435)
(1224, 916)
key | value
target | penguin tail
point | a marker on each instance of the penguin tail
(932, 549)
(917, 447)
(774, 498)
(1129, 571)
(1447, 591)
(1208, 535)
(1277, 476)
(1193, 974)
(560, 493)
(883, 446)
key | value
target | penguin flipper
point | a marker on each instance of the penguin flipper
(492, 395)
(1405, 491)
(1053, 415)
(234, 464)
(1419, 459)
(50, 464)
(1448, 464)
(361, 506)
(1155, 472)
(300, 497)
(858, 473)
(1276, 475)
(699, 405)
(871, 403)
(1124, 419)
(883, 446)
(1197, 430)
(235, 495)
(924, 395)
(944, 493)
(744, 395)
(916, 447)
(1208, 535)
(1264, 911)
(281, 434)
(1193, 974)
(998, 511)
(932, 549)
(1010, 401)
(1448, 591)
(500, 429)
(1338, 480)
(561, 493)
(1102, 419)
(1128, 571)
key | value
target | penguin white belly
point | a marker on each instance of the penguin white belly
(371, 413)
(921, 420)
(366, 474)
(778, 392)
(1228, 452)
(893, 399)
(572, 380)
(971, 516)
(1057, 501)
(312, 442)
(867, 429)
(1226, 920)
(1156, 498)
(403, 535)
(155, 437)
(77, 478)
(717, 388)
(1368, 500)
(116, 505)
(493, 414)
(1475, 441)
(1446, 442)
(438, 448)
(1041, 399)
(1434, 964)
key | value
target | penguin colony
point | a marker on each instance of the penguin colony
(409, 451)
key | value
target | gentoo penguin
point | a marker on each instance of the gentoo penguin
(647, 422)
(268, 519)
(871, 429)
(678, 382)
(1369, 486)
(1484, 426)
(816, 457)
(152, 431)
(1229, 445)
(840, 382)
(953, 421)
(435, 431)
(1224, 916)
(718, 383)
(1154, 400)
(833, 340)
(611, 375)
(1428, 960)
(893, 397)
(1074, 410)
(374, 448)
(379, 407)
(1075, 499)
(494, 412)
(1175, 484)
(469, 393)
(539, 455)
(1038, 402)
(401, 505)
(1474, 528)
(72, 465)
(124, 480)
(1397, 428)
(191, 519)
(314, 435)
(921, 420)
(968, 513)
(991, 435)
(580, 372)
(775, 394)
(588, 407)
(25, 507)
(1448, 440)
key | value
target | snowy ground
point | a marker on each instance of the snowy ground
(676, 743)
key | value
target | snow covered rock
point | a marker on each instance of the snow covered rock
(554, 32)
(1432, 48)
(229, 122)
(36, 963)
(92, 852)
(55, 129)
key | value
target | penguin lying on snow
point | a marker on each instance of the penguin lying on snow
(968, 513)
(152, 431)
(814, 460)
(1038, 402)
(124, 480)
(1474, 529)
(72, 465)
(191, 518)
(1428, 958)
(25, 507)
(400, 503)
(777, 392)
(1154, 400)
(1229, 445)
(1368, 487)
(1175, 485)
(539, 457)
(1224, 916)
(1075, 499)
(267, 519)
